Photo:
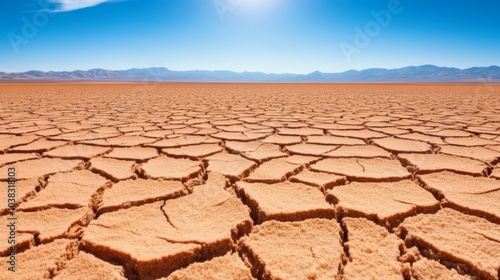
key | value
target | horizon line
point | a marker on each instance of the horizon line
(247, 71)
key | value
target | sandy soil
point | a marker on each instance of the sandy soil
(235, 181)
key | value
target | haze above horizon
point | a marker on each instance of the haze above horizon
(271, 36)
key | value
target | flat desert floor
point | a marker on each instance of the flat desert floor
(250, 181)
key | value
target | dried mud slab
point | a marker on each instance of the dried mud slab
(364, 151)
(233, 128)
(282, 139)
(40, 145)
(24, 189)
(11, 141)
(494, 148)
(339, 126)
(310, 149)
(130, 129)
(449, 133)
(13, 158)
(242, 147)
(425, 269)
(39, 167)
(496, 172)
(174, 125)
(84, 136)
(176, 233)
(210, 216)
(157, 133)
(186, 130)
(309, 249)
(28, 129)
(41, 262)
(278, 170)
(423, 137)
(390, 130)
(427, 163)
(334, 140)
(68, 190)
(106, 129)
(228, 267)
(373, 251)
(113, 168)
(318, 179)
(478, 153)
(186, 140)
(98, 142)
(265, 152)
(206, 131)
(458, 239)
(384, 203)
(86, 266)
(256, 150)
(469, 141)
(126, 194)
(77, 151)
(362, 133)
(127, 238)
(224, 121)
(476, 195)
(377, 124)
(489, 130)
(23, 241)
(74, 126)
(239, 136)
(168, 168)
(194, 151)
(304, 131)
(232, 166)
(359, 169)
(54, 223)
(133, 153)
(128, 141)
(402, 145)
(284, 201)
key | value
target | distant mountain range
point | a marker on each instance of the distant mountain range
(425, 73)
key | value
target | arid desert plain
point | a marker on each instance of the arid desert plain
(250, 181)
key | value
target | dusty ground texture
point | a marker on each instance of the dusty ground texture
(234, 181)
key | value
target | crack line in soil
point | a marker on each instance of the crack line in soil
(357, 161)
(166, 215)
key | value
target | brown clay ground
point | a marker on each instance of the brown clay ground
(212, 181)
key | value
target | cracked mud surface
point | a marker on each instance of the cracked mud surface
(239, 181)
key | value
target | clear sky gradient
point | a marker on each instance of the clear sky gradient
(272, 36)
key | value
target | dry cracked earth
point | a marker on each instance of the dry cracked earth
(212, 181)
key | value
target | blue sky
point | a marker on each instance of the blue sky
(273, 36)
